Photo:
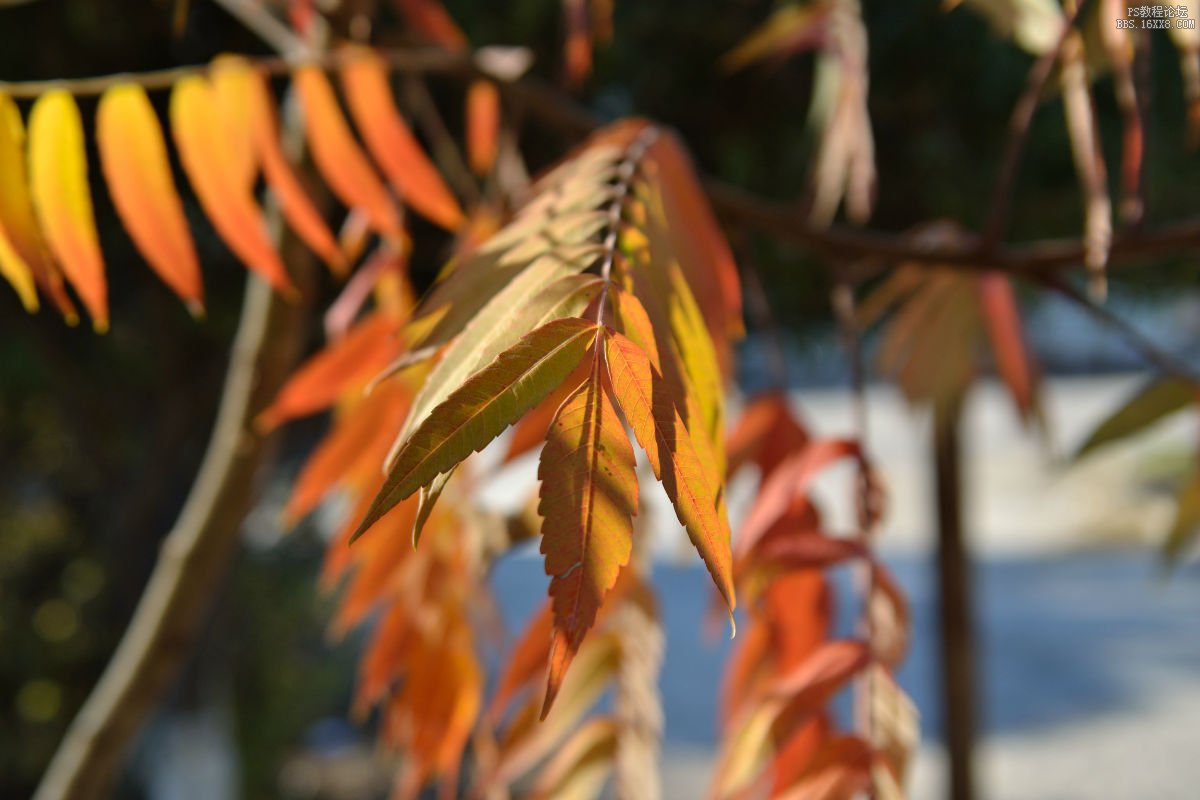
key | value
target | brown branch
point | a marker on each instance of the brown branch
(1019, 125)
(1154, 354)
(197, 550)
(193, 557)
(783, 221)
(411, 60)
(445, 150)
(255, 16)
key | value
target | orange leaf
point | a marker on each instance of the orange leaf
(697, 494)
(385, 658)
(810, 683)
(348, 363)
(840, 770)
(58, 179)
(528, 659)
(589, 494)
(395, 149)
(1003, 323)
(205, 148)
(430, 19)
(357, 444)
(338, 155)
(766, 433)
(704, 254)
(483, 125)
(577, 50)
(234, 78)
(530, 432)
(133, 156)
(790, 479)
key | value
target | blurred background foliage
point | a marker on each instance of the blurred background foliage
(100, 436)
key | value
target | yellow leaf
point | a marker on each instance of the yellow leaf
(58, 179)
(22, 257)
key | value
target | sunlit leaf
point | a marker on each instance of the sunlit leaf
(133, 156)
(395, 149)
(235, 76)
(58, 180)
(697, 495)
(479, 410)
(579, 768)
(344, 365)
(338, 156)
(589, 495)
(483, 125)
(218, 178)
(1155, 400)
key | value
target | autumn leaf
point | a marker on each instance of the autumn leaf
(1153, 402)
(1002, 320)
(483, 125)
(430, 19)
(790, 29)
(218, 178)
(589, 495)
(395, 149)
(342, 366)
(19, 249)
(235, 75)
(548, 289)
(133, 156)
(479, 410)
(697, 494)
(338, 156)
(58, 180)
(526, 740)
(579, 768)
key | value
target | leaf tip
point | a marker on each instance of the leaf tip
(195, 307)
(100, 325)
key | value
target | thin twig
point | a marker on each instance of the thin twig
(195, 553)
(255, 16)
(1018, 127)
(445, 151)
(193, 557)
(408, 60)
(1160, 358)
(782, 221)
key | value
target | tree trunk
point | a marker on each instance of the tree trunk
(954, 604)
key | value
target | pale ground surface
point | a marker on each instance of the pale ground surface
(1094, 662)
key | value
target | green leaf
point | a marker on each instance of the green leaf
(1187, 520)
(1155, 400)
(533, 298)
(480, 409)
